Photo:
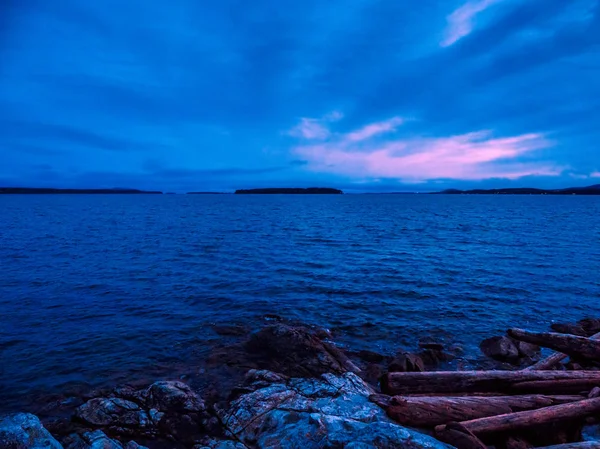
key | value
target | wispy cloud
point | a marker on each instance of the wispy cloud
(313, 128)
(310, 128)
(374, 129)
(471, 156)
(460, 22)
(596, 174)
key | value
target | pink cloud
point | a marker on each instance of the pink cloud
(596, 174)
(374, 129)
(472, 156)
(460, 22)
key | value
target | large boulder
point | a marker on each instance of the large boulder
(332, 411)
(170, 409)
(296, 351)
(25, 431)
(183, 414)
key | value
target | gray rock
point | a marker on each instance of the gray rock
(109, 412)
(173, 396)
(211, 443)
(333, 411)
(502, 349)
(93, 440)
(178, 411)
(167, 408)
(97, 440)
(25, 431)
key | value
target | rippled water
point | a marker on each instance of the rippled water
(98, 288)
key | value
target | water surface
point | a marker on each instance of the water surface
(99, 288)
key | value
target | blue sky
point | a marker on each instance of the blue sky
(359, 94)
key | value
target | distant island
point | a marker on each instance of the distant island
(35, 190)
(205, 193)
(295, 191)
(590, 190)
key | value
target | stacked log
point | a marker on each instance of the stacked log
(502, 382)
(535, 406)
(427, 411)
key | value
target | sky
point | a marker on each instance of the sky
(363, 95)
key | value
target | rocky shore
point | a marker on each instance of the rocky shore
(297, 389)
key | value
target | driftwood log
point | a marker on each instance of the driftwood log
(502, 382)
(574, 346)
(515, 443)
(458, 436)
(427, 411)
(554, 359)
(514, 422)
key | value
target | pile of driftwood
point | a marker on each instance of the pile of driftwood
(543, 405)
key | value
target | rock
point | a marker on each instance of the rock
(296, 351)
(181, 414)
(126, 392)
(372, 373)
(591, 326)
(406, 363)
(109, 412)
(574, 329)
(93, 440)
(173, 396)
(432, 358)
(98, 440)
(211, 443)
(170, 409)
(331, 411)
(502, 349)
(527, 349)
(25, 431)
(371, 357)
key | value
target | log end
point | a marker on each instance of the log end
(458, 436)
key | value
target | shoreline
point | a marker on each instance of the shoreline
(280, 354)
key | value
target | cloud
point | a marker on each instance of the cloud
(596, 174)
(310, 128)
(374, 129)
(460, 22)
(313, 128)
(113, 91)
(472, 156)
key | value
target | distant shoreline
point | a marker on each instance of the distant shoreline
(587, 191)
(48, 191)
(591, 190)
(288, 191)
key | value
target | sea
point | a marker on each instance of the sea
(99, 289)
